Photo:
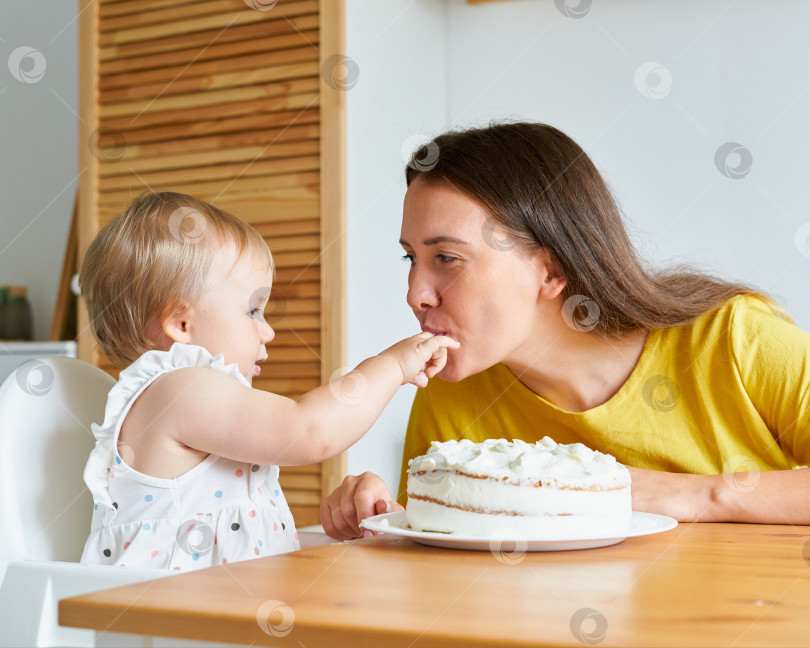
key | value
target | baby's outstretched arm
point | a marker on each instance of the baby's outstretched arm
(211, 412)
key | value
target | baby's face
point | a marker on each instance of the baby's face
(229, 318)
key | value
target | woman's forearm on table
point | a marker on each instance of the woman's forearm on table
(768, 497)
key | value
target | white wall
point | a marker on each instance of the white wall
(740, 72)
(398, 46)
(38, 149)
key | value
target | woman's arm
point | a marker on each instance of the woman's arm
(767, 497)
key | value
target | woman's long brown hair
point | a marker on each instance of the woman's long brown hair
(542, 187)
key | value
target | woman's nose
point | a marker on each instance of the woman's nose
(422, 293)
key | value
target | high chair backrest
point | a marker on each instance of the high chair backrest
(46, 408)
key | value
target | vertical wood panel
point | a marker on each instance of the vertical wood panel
(333, 216)
(87, 213)
(185, 105)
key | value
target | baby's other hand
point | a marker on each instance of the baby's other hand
(421, 357)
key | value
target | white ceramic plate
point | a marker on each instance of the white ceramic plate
(397, 524)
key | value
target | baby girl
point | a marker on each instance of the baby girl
(184, 474)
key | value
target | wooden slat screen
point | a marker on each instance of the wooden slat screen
(225, 102)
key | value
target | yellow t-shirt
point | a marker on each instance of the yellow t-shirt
(724, 393)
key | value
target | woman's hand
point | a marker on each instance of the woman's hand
(357, 498)
(685, 497)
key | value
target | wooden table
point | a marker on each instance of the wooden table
(696, 585)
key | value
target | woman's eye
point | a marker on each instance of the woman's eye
(408, 258)
(443, 258)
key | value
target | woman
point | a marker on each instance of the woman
(517, 250)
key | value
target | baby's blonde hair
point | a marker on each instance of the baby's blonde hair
(150, 260)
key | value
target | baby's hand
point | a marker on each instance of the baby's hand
(421, 357)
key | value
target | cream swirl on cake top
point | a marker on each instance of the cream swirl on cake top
(516, 460)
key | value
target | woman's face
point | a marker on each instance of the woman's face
(467, 280)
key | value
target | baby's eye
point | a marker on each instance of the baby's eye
(255, 312)
(408, 258)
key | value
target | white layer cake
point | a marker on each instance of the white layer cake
(513, 487)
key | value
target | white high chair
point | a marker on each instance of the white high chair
(46, 408)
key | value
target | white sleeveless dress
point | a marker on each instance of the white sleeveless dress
(218, 512)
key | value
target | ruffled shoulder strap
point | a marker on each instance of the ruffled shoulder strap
(131, 383)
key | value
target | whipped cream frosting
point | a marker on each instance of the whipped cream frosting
(517, 460)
